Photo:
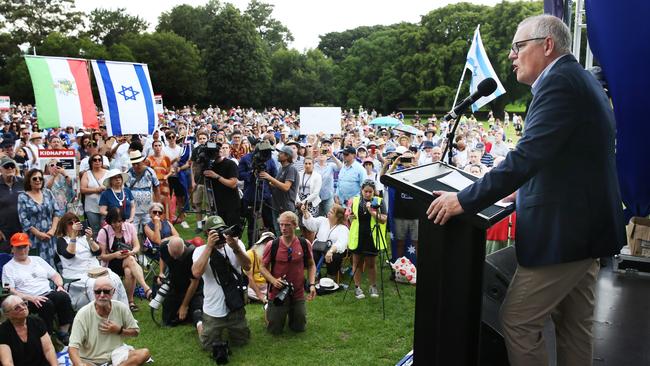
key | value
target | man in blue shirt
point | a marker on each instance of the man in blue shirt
(351, 175)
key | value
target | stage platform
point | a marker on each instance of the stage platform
(622, 319)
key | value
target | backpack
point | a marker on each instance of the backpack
(276, 244)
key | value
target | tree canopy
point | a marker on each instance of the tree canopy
(216, 54)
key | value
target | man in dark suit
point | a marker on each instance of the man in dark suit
(569, 210)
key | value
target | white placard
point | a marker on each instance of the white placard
(158, 104)
(320, 119)
(5, 103)
(456, 181)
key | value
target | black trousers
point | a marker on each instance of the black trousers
(267, 217)
(173, 302)
(58, 304)
(332, 267)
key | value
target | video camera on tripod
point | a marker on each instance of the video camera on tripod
(205, 153)
(261, 155)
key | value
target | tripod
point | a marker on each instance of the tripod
(383, 260)
(257, 211)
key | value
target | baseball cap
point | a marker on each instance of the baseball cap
(287, 150)
(349, 150)
(401, 150)
(6, 160)
(480, 145)
(214, 222)
(427, 144)
(19, 239)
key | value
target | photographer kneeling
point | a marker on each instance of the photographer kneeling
(184, 296)
(220, 264)
(284, 262)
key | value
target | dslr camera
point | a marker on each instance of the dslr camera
(220, 352)
(285, 293)
(160, 295)
(234, 231)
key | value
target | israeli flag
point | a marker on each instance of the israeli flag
(127, 97)
(479, 64)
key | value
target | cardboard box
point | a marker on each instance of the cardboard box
(638, 236)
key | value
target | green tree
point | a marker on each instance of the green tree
(301, 79)
(175, 65)
(336, 45)
(273, 32)
(192, 23)
(110, 26)
(31, 21)
(236, 61)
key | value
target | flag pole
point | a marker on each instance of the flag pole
(462, 77)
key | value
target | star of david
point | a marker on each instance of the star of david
(126, 95)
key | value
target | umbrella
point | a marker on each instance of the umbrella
(385, 122)
(408, 129)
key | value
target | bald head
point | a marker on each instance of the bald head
(103, 282)
(176, 246)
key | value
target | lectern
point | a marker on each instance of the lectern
(450, 270)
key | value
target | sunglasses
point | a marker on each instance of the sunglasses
(20, 305)
(156, 212)
(37, 179)
(9, 166)
(289, 252)
(97, 160)
(105, 291)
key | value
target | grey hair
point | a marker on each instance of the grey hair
(157, 205)
(550, 26)
(5, 303)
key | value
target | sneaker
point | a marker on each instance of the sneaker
(358, 293)
(185, 225)
(373, 291)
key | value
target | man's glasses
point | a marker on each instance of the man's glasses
(105, 291)
(9, 166)
(37, 179)
(20, 306)
(289, 252)
(516, 46)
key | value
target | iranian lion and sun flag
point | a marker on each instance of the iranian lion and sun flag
(64, 97)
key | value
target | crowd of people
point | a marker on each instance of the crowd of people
(93, 232)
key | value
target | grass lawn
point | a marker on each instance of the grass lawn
(350, 332)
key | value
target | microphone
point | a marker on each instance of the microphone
(484, 88)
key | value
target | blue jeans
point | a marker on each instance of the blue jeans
(94, 221)
(325, 206)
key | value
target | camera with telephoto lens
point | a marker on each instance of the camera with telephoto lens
(220, 352)
(285, 293)
(234, 231)
(160, 295)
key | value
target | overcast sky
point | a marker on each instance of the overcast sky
(306, 19)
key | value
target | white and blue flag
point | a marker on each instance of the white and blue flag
(481, 68)
(127, 97)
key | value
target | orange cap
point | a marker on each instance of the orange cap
(19, 239)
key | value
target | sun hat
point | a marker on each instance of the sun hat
(113, 173)
(136, 156)
(327, 284)
(266, 236)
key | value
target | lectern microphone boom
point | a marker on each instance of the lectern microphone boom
(484, 88)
